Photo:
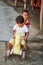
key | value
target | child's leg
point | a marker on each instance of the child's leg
(10, 46)
(23, 46)
(11, 43)
(9, 49)
(23, 52)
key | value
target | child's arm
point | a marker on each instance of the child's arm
(13, 36)
(27, 23)
(13, 32)
(26, 36)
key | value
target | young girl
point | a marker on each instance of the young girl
(25, 14)
(18, 35)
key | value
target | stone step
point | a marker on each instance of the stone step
(34, 45)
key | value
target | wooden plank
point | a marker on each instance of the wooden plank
(41, 18)
(15, 2)
(24, 4)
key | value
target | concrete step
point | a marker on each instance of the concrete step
(34, 46)
(36, 38)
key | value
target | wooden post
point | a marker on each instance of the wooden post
(15, 2)
(41, 16)
(24, 4)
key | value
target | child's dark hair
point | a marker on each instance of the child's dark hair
(25, 11)
(20, 19)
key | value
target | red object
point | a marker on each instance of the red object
(27, 23)
(38, 3)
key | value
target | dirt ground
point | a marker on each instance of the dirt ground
(34, 57)
(34, 54)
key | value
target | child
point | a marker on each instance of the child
(25, 14)
(18, 34)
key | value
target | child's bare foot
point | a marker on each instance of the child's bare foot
(8, 53)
